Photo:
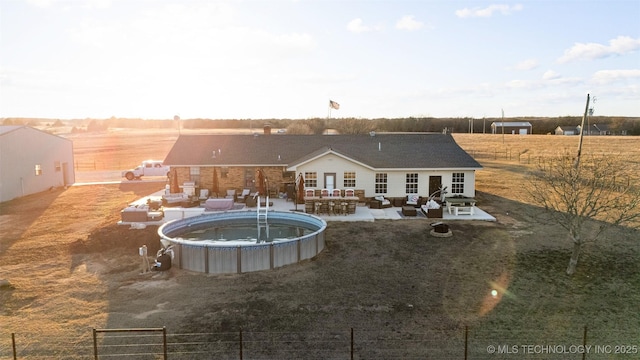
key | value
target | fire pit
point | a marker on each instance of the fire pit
(440, 229)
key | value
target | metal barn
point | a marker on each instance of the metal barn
(32, 161)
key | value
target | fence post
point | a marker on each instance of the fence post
(13, 345)
(351, 343)
(466, 341)
(240, 343)
(584, 343)
(95, 344)
(164, 341)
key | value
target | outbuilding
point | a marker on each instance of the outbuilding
(512, 127)
(32, 161)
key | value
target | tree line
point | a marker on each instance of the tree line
(546, 125)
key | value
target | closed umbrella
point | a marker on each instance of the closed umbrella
(215, 187)
(173, 184)
(262, 186)
(300, 189)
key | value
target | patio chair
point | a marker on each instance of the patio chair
(324, 192)
(231, 194)
(309, 192)
(243, 195)
(204, 194)
(335, 193)
(349, 192)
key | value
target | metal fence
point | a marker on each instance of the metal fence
(442, 344)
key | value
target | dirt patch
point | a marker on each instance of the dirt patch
(72, 269)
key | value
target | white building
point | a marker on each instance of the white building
(32, 161)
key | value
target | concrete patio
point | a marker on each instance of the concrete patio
(362, 213)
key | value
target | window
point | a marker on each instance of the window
(457, 183)
(411, 184)
(194, 174)
(56, 165)
(381, 183)
(38, 169)
(311, 179)
(250, 178)
(349, 179)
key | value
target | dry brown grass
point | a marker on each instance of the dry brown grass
(73, 269)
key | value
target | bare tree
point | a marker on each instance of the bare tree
(588, 199)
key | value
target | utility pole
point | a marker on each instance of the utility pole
(586, 112)
(502, 126)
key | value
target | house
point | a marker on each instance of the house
(392, 165)
(597, 129)
(567, 130)
(600, 129)
(32, 161)
(514, 127)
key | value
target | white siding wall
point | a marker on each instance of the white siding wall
(21, 150)
(396, 179)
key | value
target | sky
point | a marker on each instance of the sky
(285, 59)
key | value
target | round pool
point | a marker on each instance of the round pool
(235, 242)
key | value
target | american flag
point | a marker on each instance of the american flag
(334, 104)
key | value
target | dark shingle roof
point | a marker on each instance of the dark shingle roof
(382, 151)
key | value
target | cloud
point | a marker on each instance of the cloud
(618, 46)
(488, 11)
(610, 76)
(551, 75)
(88, 4)
(528, 64)
(357, 26)
(409, 23)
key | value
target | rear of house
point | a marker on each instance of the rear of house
(32, 161)
(391, 165)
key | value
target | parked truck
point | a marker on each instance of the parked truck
(147, 168)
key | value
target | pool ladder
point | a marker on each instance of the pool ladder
(261, 217)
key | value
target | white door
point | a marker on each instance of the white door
(329, 181)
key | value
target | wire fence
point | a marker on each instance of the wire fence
(442, 344)
(96, 165)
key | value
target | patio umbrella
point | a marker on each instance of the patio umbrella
(215, 187)
(300, 190)
(173, 182)
(262, 183)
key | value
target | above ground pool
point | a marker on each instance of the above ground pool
(236, 242)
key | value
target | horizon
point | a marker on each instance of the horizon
(287, 59)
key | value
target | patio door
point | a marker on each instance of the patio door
(329, 181)
(435, 182)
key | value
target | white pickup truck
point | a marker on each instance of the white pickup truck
(147, 168)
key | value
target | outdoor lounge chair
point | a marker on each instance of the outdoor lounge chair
(231, 194)
(379, 202)
(204, 194)
(243, 195)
